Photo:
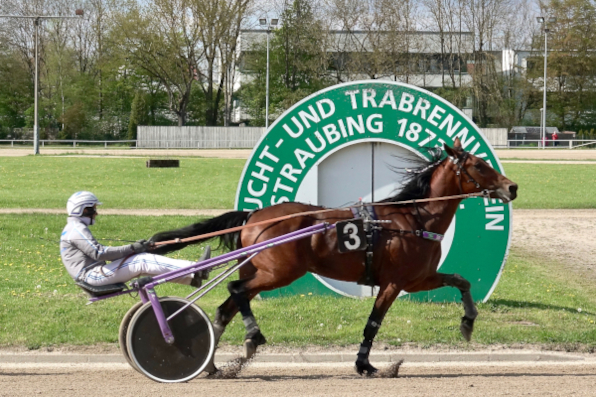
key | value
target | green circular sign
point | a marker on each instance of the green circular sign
(345, 142)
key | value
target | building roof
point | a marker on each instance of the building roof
(532, 130)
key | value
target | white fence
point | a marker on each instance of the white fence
(198, 137)
(496, 136)
(237, 137)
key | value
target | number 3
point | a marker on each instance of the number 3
(352, 231)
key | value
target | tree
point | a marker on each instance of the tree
(180, 42)
(298, 63)
(571, 63)
(161, 37)
(15, 91)
(219, 23)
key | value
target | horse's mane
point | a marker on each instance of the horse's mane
(417, 180)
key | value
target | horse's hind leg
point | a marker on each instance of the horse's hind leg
(241, 297)
(225, 312)
(467, 322)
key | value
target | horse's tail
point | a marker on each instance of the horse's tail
(222, 222)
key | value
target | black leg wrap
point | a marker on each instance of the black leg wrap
(364, 351)
(243, 305)
(363, 366)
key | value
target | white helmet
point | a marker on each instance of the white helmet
(79, 201)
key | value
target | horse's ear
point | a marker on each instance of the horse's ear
(453, 151)
(450, 151)
(457, 145)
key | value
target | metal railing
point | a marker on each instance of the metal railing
(208, 144)
(74, 142)
(549, 144)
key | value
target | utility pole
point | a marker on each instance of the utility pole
(268, 23)
(36, 22)
(542, 20)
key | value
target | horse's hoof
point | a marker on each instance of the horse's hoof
(467, 327)
(250, 348)
(365, 369)
(214, 375)
(256, 336)
(211, 369)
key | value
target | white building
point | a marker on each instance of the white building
(427, 62)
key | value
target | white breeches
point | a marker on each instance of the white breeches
(136, 266)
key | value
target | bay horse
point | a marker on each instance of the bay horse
(402, 261)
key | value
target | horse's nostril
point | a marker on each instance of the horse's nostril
(513, 189)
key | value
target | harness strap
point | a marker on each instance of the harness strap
(307, 213)
(368, 214)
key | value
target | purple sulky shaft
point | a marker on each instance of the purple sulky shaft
(209, 263)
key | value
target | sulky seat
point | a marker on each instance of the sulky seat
(95, 291)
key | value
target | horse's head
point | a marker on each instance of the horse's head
(475, 175)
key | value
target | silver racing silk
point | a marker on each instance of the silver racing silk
(80, 251)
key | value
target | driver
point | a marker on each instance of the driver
(85, 259)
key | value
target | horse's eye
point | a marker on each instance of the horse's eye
(478, 166)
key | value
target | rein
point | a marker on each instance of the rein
(307, 213)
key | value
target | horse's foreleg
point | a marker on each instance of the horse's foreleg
(241, 298)
(384, 300)
(467, 322)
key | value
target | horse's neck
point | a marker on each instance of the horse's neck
(437, 215)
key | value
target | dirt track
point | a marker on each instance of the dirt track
(289, 380)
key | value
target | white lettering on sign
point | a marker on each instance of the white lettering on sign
(324, 113)
(463, 135)
(288, 171)
(261, 174)
(368, 96)
(375, 127)
(407, 102)
(331, 133)
(413, 133)
(254, 192)
(292, 133)
(436, 113)
(495, 215)
(450, 127)
(352, 95)
(302, 156)
(388, 99)
(312, 116)
(421, 107)
(312, 145)
(265, 153)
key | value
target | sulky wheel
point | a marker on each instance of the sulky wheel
(186, 358)
(123, 331)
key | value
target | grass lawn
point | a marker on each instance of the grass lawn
(550, 186)
(535, 302)
(47, 182)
